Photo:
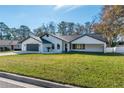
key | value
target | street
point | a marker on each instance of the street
(7, 83)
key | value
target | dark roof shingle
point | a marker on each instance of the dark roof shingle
(8, 42)
(70, 38)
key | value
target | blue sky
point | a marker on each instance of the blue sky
(34, 16)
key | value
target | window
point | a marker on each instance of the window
(74, 46)
(83, 46)
(58, 46)
(53, 46)
(78, 46)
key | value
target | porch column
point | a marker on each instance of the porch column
(68, 46)
(104, 50)
(41, 48)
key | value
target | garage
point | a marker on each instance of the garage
(32, 47)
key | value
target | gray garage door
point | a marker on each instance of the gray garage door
(32, 47)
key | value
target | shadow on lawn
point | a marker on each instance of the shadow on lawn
(96, 53)
(82, 53)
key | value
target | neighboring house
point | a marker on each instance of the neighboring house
(9, 45)
(120, 40)
(49, 43)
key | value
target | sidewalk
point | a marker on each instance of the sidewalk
(8, 83)
(34, 81)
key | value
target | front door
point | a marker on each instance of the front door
(48, 49)
(12, 47)
(66, 48)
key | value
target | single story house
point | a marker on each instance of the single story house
(50, 43)
(9, 45)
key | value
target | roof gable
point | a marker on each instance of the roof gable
(97, 37)
(58, 37)
(46, 41)
(86, 40)
(34, 37)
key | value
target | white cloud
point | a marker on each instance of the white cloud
(66, 8)
(57, 7)
(72, 8)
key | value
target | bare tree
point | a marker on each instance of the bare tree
(112, 22)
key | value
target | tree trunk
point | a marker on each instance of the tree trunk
(110, 42)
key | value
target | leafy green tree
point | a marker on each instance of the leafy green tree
(62, 28)
(23, 32)
(51, 27)
(4, 31)
(70, 28)
(14, 33)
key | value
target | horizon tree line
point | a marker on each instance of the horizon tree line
(62, 28)
(110, 25)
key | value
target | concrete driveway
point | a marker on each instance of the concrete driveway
(7, 53)
(15, 53)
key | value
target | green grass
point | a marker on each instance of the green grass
(85, 70)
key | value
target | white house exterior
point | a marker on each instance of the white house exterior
(55, 41)
(35, 41)
(49, 43)
(90, 44)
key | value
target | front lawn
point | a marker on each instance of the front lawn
(85, 70)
